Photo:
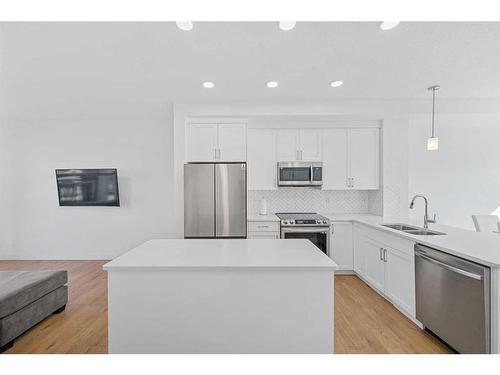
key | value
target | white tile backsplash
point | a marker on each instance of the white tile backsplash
(303, 199)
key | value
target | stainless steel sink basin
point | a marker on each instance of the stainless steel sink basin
(424, 232)
(402, 227)
(410, 229)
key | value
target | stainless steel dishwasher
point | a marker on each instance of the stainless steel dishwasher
(453, 299)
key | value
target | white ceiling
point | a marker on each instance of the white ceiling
(60, 64)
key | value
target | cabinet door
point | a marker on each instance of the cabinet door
(232, 142)
(341, 245)
(261, 159)
(287, 144)
(400, 280)
(358, 251)
(263, 235)
(202, 142)
(310, 144)
(335, 159)
(364, 158)
(375, 266)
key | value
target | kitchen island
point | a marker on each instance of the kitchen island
(221, 296)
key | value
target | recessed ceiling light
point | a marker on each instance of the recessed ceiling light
(208, 84)
(184, 25)
(287, 25)
(387, 25)
(336, 83)
(272, 84)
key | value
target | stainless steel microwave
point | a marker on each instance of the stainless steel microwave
(300, 173)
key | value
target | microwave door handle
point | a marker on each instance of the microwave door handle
(311, 174)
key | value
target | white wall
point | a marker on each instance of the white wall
(33, 224)
(461, 178)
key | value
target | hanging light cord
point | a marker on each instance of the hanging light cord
(433, 88)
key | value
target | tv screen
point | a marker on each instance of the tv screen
(87, 187)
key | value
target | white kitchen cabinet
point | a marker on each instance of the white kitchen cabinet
(232, 142)
(216, 142)
(350, 159)
(261, 159)
(287, 144)
(335, 159)
(400, 279)
(359, 263)
(341, 249)
(310, 144)
(389, 266)
(263, 235)
(203, 142)
(375, 264)
(364, 158)
(263, 229)
(298, 144)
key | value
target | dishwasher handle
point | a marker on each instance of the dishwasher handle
(450, 268)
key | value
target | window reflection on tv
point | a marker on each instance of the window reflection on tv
(87, 187)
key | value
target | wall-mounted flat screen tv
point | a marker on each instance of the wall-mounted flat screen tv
(87, 187)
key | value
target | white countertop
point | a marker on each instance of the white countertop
(220, 254)
(483, 248)
(258, 217)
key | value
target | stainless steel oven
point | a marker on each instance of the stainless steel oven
(299, 173)
(309, 226)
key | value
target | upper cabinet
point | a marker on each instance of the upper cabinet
(351, 159)
(298, 144)
(202, 142)
(261, 159)
(335, 159)
(364, 158)
(310, 144)
(216, 142)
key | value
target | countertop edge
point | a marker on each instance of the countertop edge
(220, 268)
(422, 241)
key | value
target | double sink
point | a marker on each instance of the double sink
(418, 231)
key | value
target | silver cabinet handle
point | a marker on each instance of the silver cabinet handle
(385, 255)
(380, 254)
(352, 181)
(262, 226)
(333, 229)
(450, 268)
(297, 154)
(300, 154)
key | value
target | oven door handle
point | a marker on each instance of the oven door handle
(306, 230)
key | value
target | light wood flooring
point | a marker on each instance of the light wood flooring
(364, 321)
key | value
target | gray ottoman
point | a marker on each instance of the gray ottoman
(28, 297)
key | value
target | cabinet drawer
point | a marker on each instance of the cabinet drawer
(263, 235)
(263, 226)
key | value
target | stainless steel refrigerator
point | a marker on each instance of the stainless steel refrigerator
(215, 200)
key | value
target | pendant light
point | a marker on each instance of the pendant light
(433, 141)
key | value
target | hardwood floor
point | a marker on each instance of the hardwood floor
(364, 321)
(367, 323)
(83, 326)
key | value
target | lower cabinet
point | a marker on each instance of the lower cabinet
(263, 235)
(400, 279)
(341, 245)
(264, 230)
(375, 264)
(387, 264)
(359, 259)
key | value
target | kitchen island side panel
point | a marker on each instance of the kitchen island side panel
(220, 311)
